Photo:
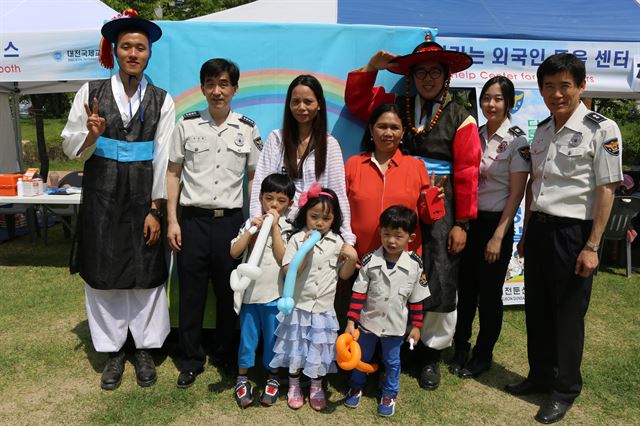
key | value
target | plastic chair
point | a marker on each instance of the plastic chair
(624, 209)
(63, 211)
(29, 211)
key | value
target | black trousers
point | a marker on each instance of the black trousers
(556, 303)
(205, 258)
(480, 287)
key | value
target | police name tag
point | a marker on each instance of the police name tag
(239, 140)
(576, 140)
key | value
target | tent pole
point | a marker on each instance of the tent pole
(16, 124)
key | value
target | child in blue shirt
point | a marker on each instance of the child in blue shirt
(257, 303)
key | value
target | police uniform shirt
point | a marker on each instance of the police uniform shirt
(568, 165)
(316, 284)
(214, 158)
(505, 152)
(385, 311)
(268, 286)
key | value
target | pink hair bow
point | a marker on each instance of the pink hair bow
(314, 190)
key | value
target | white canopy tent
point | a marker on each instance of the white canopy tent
(299, 11)
(45, 47)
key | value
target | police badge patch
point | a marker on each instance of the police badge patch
(258, 143)
(239, 140)
(525, 153)
(502, 147)
(612, 147)
(423, 280)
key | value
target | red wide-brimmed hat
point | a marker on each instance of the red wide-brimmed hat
(126, 20)
(430, 51)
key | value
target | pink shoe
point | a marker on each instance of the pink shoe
(295, 399)
(317, 399)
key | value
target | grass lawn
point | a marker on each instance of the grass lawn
(52, 129)
(50, 372)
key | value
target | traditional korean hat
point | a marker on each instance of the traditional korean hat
(430, 51)
(126, 20)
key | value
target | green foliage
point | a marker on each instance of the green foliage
(620, 110)
(173, 10)
(626, 113)
(52, 129)
(630, 143)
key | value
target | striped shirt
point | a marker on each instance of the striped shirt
(272, 161)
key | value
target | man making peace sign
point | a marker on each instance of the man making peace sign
(121, 128)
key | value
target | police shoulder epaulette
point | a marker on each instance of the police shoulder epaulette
(516, 131)
(414, 256)
(191, 115)
(367, 257)
(595, 117)
(546, 120)
(247, 120)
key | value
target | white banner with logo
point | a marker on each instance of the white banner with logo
(59, 56)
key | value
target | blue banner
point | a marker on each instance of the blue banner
(270, 56)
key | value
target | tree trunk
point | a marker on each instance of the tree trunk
(38, 102)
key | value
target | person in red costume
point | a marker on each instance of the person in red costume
(445, 136)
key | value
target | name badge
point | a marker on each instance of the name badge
(239, 140)
(576, 140)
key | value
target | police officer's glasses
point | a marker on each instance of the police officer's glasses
(421, 73)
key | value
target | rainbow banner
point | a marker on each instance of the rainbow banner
(270, 56)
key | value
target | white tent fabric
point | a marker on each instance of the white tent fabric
(568, 20)
(46, 47)
(19, 16)
(299, 11)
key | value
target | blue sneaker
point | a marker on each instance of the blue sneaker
(352, 399)
(387, 406)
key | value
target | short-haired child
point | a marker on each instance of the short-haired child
(388, 291)
(256, 305)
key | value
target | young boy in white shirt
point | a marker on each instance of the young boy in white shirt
(257, 304)
(390, 279)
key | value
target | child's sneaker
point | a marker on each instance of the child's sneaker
(295, 399)
(352, 399)
(387, 406)
(317, 399)
(271, 393)
(243, 393)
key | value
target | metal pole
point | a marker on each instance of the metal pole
(16, 124)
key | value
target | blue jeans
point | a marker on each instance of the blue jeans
(256, 318)
(390, 358)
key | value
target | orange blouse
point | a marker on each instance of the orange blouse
(370, 192)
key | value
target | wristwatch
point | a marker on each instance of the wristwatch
(592, 246)
(155, 212)
(463, 225)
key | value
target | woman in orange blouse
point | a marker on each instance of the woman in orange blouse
(383, 176)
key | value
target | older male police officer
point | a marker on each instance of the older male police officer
(212, 150)
(576, 162)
